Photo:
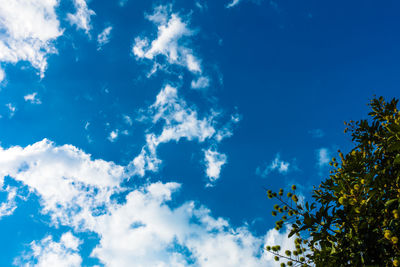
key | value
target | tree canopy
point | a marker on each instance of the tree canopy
(353, 218)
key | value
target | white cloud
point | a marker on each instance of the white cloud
(29, 29)
(233, 3)
(113, 135)
(128, 120)
(227, 130)
(323, 156)
(201, 82)
(146, 231)
(2, 75)
(171, 29)
(277, 164)
(76, 191)
(50, 253)
(214, 162)
(273, 238)
(9, 205)
(202, 6)
(70, 184)
(81, 19)
(179, 121)
(32, 98)
(11, 108)
(104, 37)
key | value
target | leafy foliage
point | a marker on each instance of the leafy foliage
(353, 219)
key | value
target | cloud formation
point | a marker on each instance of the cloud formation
(171, 28)
(214, 162)
(2, 75)
(9, 205)
(11, 109)
(323, 157)
(32, 98)
(76, 191)
(113, 135)
(178, 121)
(277, 164)
(171, 43)
(104, 37)
(50, 253)
(69, 183)
(81, 17)
(233, 3)
(29, 31)
(200, 83)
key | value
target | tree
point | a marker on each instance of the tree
(353, 218)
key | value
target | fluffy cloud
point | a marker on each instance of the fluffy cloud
(179, 121)
(143, 229)
(29, 29)
(70, 184)
(81, 18)
(104, 37)
(171, 29)
(49, 253)
(214, 162)
(170, 43)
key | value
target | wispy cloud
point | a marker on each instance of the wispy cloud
(179, 121)
(122, 3)
(81, 17)
(2, 75)
(7, 207)
(104, 37)
(233, 3)
(323, 156)
(32, 98)
(128, 120)
(171, 29)
(200, 83)
(277, 165)
(11, 109)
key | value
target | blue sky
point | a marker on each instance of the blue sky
(142, 133)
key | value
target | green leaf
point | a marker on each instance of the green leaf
(390, 202)
(397, 159)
